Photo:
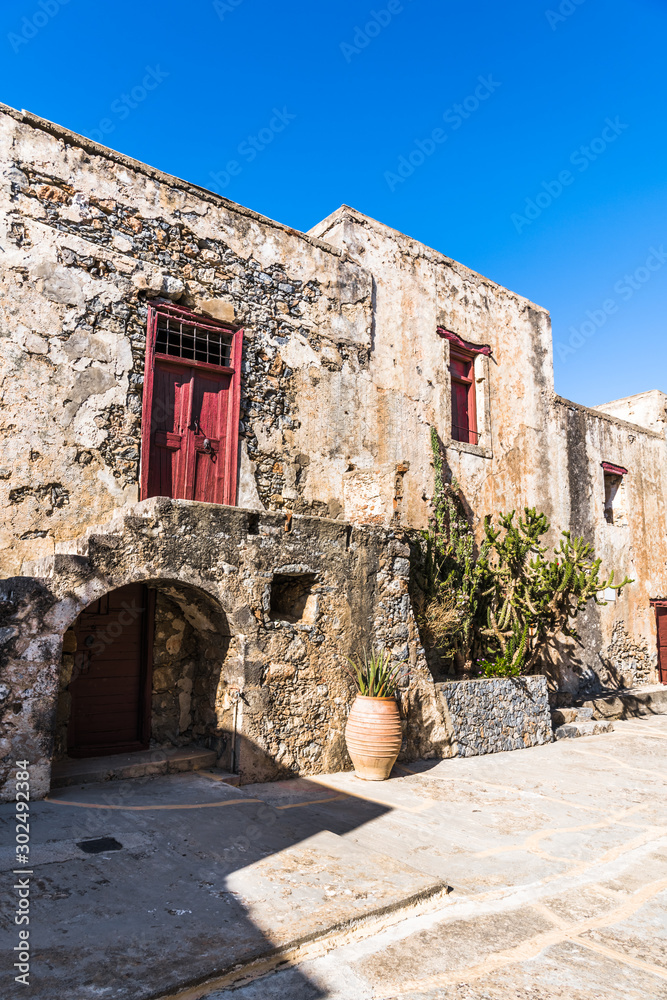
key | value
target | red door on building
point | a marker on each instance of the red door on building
(661, 615)
(111, 685)
(191, 407)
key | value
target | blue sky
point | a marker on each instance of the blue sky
(551, 180)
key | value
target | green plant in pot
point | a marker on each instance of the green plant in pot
(373, 732)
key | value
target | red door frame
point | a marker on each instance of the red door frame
(234, 409)
(659, 605)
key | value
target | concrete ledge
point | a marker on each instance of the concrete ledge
(86, 770)
(630, 704)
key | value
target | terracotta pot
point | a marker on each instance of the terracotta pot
(373, 735)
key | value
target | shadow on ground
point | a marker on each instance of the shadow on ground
(200, 866)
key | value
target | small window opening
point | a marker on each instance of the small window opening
(614, 497)
(464, 410)
(193, 343)
(292, 599)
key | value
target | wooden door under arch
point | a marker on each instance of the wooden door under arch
(111, 684)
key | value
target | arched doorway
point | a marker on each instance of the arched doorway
(143, 667)
(110, 689)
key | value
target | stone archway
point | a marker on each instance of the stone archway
(168, 690)
(229, 573)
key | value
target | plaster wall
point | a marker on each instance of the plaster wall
(618, 639)
(648, 409)
(535, 449)
(88, 239)
(343, 376)
(418, 290)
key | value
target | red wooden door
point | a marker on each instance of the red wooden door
(188, 433)
(191, 408)
(110, 690)
(210, 411)
(661, 613)
(169, 428)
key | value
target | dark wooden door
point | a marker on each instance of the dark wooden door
(662, 643)
(111, 686)
(188, 448)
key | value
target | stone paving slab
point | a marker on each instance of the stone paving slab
(325, 882)
(206, 876)
(569, 906)
(557, 858)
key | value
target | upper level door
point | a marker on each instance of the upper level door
(661, 613)
(191, 408)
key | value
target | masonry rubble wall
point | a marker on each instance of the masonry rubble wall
(213, 567)
(535, 449)
(489, 715)
(89, 238)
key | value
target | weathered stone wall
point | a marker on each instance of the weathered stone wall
(343, 376)
(89, 238)
(218, 566)
(343, 371)
(495, 714)
(618, 643)
(535, 449)
(417, 291)
(177, 655)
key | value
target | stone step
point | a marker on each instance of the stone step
(563, 716)
(87, 770)
(631, 704)
(592, 727)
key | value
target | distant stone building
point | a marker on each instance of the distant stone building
(216, 431)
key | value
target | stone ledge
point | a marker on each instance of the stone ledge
(591, 727)
(632, 703)
(145, 763)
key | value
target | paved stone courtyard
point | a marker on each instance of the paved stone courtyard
(529, 875)
(557, 857)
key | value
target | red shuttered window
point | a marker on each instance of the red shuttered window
(464, 411)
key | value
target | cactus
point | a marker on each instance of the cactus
(511, 600)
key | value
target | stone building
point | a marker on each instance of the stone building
(216, 432)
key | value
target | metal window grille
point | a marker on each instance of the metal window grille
(192, 343)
